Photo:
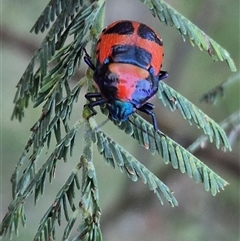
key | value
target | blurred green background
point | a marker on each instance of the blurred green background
(129, 210)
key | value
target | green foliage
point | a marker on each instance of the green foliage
(37, 84)
(230, 125)
(88, 206)
(115, 154)
(218, 91)
(171, 17)
(173, 153)
(46, 82)
(190, 112)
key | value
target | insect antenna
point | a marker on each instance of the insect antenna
(97, 127)
(139, 127)
(134, 124)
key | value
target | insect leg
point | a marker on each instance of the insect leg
(148, 105)
(89, 96)
(147, 108)
(87, 60)
(162, 75)
(93, 103)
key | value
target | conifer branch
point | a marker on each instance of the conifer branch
(54, 8)
(218, 91)
(33, 83)
(116, 155)
(171, 17)
(173, 153)
(190, 112)
(42, 132)
(89, 229)
(230, 125)
(46, 81)
(64, 198)
(32, 181)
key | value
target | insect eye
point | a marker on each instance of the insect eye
(151, 70)
(106, 61)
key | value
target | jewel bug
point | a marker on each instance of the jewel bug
(129, 58)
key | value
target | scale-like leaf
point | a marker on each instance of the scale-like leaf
(211, 95)
(179, 157)
(53, 10)
(32, 180)
(53, 213)
(132, 167)
(33, 83)
(192, 113)
(230, 124)
(41, 131)
(48, 84)
(170, 16)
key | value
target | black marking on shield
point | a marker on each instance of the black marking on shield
(147, 33)
(131, 54)
(123, 27)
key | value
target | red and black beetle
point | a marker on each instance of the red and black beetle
(129, 58)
